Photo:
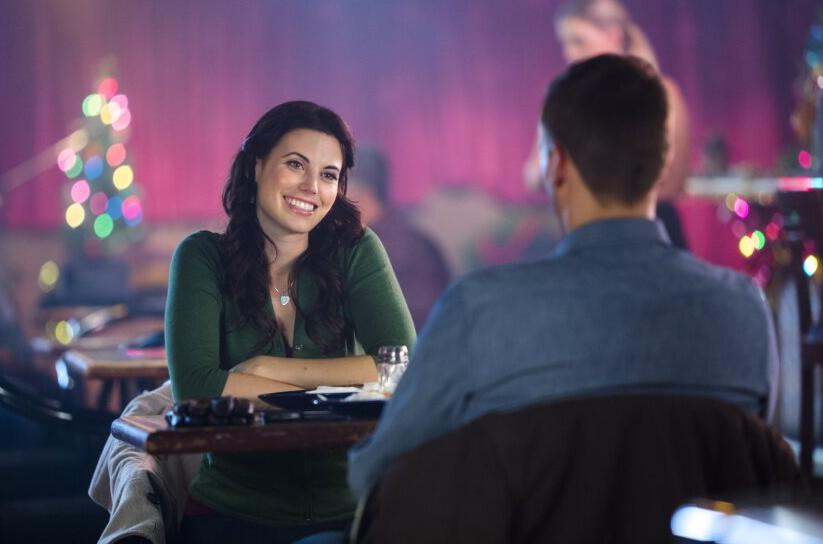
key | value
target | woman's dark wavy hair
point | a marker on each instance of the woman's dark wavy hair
(243, 242)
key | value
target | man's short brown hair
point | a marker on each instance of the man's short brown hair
(609, 113)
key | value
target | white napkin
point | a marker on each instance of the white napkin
(325, 389)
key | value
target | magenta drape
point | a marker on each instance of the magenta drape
(450, 88)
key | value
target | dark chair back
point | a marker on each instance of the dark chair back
(20, 399)
(601, 469)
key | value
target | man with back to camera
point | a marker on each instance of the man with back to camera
(615, 309)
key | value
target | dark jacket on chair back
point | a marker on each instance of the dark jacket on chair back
(600, 469)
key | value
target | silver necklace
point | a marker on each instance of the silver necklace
(284, 298)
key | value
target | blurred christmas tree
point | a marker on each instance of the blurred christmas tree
(103, 213)
(103, 207)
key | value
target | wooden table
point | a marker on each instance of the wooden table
(113, 335)
(153, 435)
(116, 364)
(110, 366)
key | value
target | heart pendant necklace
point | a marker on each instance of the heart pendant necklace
(284, 298)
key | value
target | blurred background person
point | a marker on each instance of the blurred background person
(586, 28)
(418, 262)
(714, 158)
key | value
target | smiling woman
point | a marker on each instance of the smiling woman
(297, 183)
(293, 238)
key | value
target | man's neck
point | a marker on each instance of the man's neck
(583, 215)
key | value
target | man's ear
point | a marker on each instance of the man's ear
(558, 164)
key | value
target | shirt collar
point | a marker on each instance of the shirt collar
(613, 232)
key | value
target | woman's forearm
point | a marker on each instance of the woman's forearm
(249, 386)
(310, 373)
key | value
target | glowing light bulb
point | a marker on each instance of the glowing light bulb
(49, 274)
(99, 202)
(93, 167)
(741, 208)
(121, 100)
(80, 191)
(92, 104)
(132, 209)
(810, 265)
(804, 159)
(122, 177)
(746, 246)
(75, 215)
(107, 87)
(66, 158)
(75, 168)
(105, 115)
(103, 225)
(115, 207)
(759, 240)
(122, 122)
(772, 231)
(115, 155)
(64, 332)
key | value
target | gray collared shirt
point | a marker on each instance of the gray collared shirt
(616, 308)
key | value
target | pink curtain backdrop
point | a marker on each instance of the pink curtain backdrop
(450, 88)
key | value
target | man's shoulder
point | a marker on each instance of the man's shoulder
(713, 277)
(514, 275)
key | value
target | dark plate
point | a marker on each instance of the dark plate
(363, 409)
(299, 400)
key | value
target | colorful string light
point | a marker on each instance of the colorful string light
(804, 159)
(741, 208)
(115, 155)
(759, 240)
(746, 246)
(122, 177)
(122, 122)
(93, 168)
(115, 207)
(92, 104)
(107, 87)
(810, 265)
(64, 332)
(48, 276)
(103, 225)
(99, 202)
(80, 191)
(76, 168)
(75, 215)
(66, 159)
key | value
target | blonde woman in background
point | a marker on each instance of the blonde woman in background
(587, 28)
